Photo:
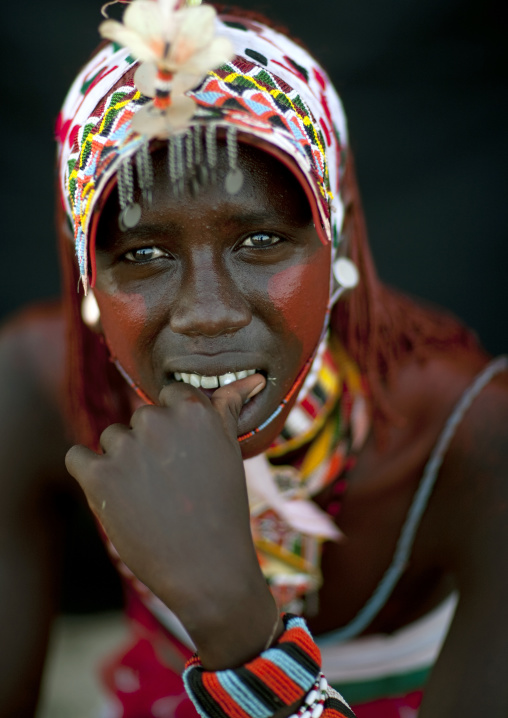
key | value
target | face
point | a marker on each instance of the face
(215, 284)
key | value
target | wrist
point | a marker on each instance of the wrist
(233, 630)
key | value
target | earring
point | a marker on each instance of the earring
(346, 275)
(90, 312)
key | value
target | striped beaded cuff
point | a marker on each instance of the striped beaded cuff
(279, 677)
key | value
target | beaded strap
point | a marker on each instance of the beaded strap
(285, 674)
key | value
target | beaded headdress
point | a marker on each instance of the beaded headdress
(200, 75)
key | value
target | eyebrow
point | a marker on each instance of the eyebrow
(148, 229)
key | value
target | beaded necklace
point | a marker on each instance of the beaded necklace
(324, 430)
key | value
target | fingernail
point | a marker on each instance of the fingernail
(256, 390)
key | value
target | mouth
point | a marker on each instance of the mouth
(202, 381)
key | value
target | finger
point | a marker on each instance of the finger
(229, 400)
(113, 436)
(180, 391)
(79, 461)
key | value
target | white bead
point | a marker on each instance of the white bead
(311, 697)
(317, 710)
(323, 684)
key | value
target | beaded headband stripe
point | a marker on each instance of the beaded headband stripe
(271, 90)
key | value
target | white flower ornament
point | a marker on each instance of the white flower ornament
(177, 46)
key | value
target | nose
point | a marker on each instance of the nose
(208, 301)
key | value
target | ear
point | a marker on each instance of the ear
(90, 312)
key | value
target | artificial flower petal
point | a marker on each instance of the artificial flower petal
(166, 8)
(178, 41)
(144, 78)
(161, 123)
(182, 82)
(180, 111)
(217, 53)
(144, 17)
(150, 121)
(116, 32)
(196, 31)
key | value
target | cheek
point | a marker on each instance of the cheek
(300, 295)
(123, 319)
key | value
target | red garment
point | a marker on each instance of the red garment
(398, 707)
(144, 675)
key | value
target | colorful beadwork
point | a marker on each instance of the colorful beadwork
(283, 675)
(328, 424)
(271, 90)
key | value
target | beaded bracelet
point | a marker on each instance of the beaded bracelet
(280, 676)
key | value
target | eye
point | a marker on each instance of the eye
(261, 240)
(144, 254)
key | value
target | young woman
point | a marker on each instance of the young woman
(258, 417)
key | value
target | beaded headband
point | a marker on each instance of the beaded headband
(206, 75)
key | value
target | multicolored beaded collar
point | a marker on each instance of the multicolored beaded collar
(326, 427)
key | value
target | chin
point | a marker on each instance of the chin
(262, 440)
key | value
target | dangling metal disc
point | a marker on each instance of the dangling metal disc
(345, 272)
(203, 174)
(129, 216)
(195, 186)
(234, 181)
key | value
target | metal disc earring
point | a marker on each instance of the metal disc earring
(90, 312)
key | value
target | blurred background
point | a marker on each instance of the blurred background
(425, 89)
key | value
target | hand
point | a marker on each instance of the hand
(170, 493)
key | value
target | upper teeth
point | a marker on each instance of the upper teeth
(212, 382)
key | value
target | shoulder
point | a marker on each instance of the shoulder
(31, 395)
(32, 343)
(469, 506)
(421, 396)
(427, 395)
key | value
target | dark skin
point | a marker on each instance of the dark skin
(462, 541)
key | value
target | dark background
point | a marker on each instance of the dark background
(424, 83)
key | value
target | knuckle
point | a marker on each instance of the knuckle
(114, 437)
(143, 417)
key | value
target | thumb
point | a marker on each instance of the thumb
(228, 400)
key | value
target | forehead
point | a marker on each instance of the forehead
(270, 193)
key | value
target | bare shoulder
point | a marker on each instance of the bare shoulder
(31, 396)
(469, 508)
(33, 342)
(429, 393)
